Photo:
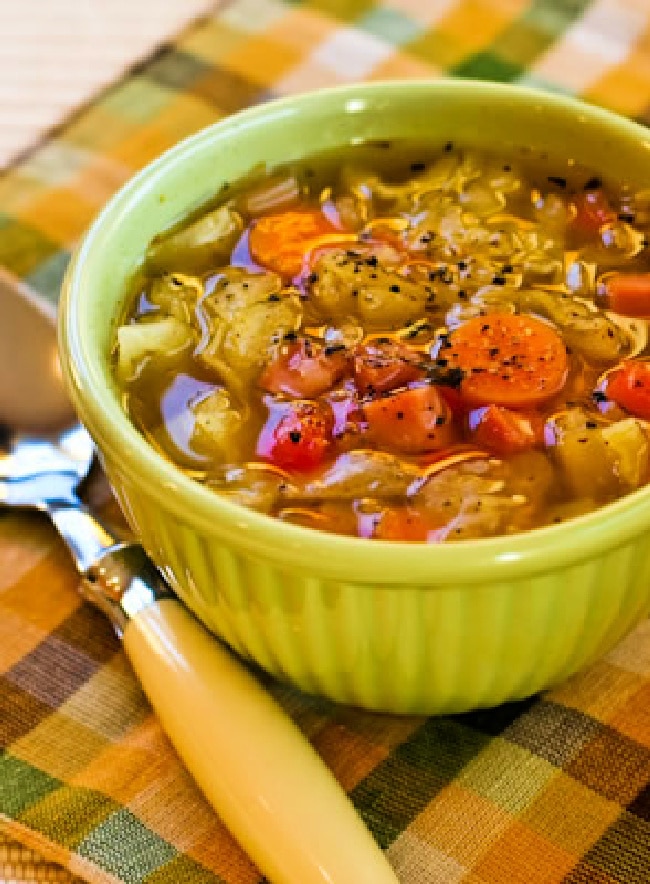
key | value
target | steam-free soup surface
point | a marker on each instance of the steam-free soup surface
(401, 342)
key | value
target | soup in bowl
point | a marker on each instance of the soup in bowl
(368, 374)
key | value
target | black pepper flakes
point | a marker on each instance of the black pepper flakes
(593, 184)
(558, 180)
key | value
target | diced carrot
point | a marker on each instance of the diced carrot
(505, 432)
(384, 364)
(628, 294)
(411, 421)
(304, 369)
(629, 387)
(279, 242)
(511, 360)
(404, 523)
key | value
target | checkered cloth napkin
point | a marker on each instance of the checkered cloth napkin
(554, 789)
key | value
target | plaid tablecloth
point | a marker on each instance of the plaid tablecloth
(554, 789)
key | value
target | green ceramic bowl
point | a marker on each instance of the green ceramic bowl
(389, 626)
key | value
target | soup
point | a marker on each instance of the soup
(401, 342)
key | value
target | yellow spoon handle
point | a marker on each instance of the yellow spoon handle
(255, 767)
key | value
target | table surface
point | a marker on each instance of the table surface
(56, 54)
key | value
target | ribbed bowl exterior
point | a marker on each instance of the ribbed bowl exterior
(397, 647)
(399, 627)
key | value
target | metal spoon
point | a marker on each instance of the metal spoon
(261, 775)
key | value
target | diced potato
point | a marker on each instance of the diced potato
(249, 341)
(177, 295)
(361, 473)
(628, 445)
(243, 319)
(486, 496)
(199, 248)
(598, 460)
(587, 332)
(250, 485)
(140, 340)
(217, 425)
(236, 291)
(354, 285)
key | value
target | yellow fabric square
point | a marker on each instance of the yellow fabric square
(59, 746)
(522, 856)
(632, 718)
(17, 638)
(262, 60)
(444, 823)
(626, 88)
(569, 814)
(61, 213)
(474, 24)
(184, 116)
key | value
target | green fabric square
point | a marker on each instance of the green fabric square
(345, 10)
(507, 775)
(522, 43)
(139, 99)
(140, 852)
(399, 788)
(435, 47)
(48, 276)
(391, 25)
(68, 815)
(182, 869)
(488, 66)
(176, 69)
(22, 785)
(22, 248)
(552, 17)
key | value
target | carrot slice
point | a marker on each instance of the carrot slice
(279, 242)
(628, 294)
(516, 361)
(629, 387)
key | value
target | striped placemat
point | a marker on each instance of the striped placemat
(554, 790)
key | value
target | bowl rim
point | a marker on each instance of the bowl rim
(349, 559)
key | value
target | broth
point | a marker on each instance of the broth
(401, 341)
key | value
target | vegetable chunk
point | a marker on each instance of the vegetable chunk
(203, 246)
(515, 361)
